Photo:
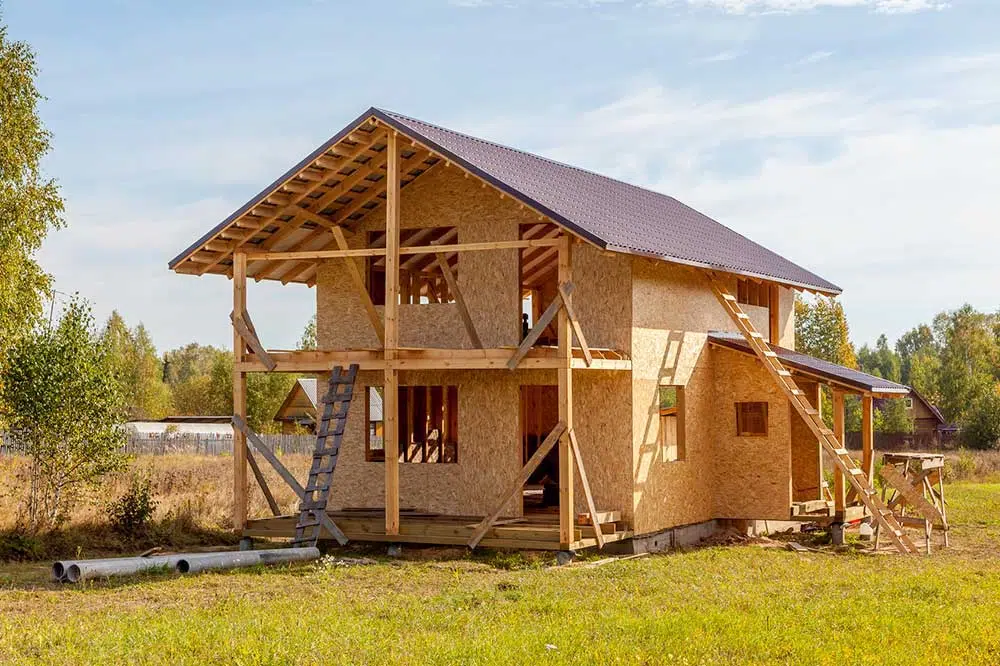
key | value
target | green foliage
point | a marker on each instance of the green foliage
(970, 360)
(65, 404)
(188, 377)
(131, 513)
(982, 428)
(668, 397)
(891, 416)
(138, 368)
(821, 330)
(30, 204)
(19, 547)
(308, 339)
(265, 393)
(882, 361)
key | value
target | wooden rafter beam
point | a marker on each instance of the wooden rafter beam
(529, 467)
(361, 148)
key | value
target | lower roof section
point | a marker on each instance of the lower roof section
(815, 367)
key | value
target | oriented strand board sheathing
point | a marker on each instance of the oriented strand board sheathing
(489, 280)
(603, 298)
(805, 452)
(752, 474)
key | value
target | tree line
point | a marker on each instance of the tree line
(953, 361)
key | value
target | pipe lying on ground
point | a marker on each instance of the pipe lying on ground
(244, 558)
(74, 571)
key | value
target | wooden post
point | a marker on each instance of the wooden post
(567, 514)
(774, 314)
(868, 438)
(839, 483)
(817, 401)
(239, 396)
(391, 375)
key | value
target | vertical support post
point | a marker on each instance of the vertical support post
(391, 374)
(566, 471)
(239, 395)
(774, 314)
(868, 438)
(839, 482)
(817, 402)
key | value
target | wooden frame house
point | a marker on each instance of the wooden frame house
(521, 321)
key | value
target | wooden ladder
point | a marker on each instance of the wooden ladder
(847, 465)
(329, 433)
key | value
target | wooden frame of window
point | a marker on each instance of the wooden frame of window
(751, 419)
(749, 292)
(672, 425)
(427, 425)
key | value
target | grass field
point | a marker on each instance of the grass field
(724, 605)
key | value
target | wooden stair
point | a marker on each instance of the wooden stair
(855, 476)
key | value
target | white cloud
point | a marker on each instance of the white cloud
(815, 56)
(891, 196)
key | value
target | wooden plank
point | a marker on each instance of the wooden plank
(390, 385)
(914, 496)
(358, 278)
(463, 310)
(774, 314)
(250, 340)
(555, 307)
(839, 484)
(480, 247)
(591, 507)
(867, 438)
(264, 488)
(536, 458)
(241, 426)
(565, 376)
(317, 254)
(575, 324)
(240, 481)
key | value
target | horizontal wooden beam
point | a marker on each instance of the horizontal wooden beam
(380, 251)
(316, 254)
(478, 247)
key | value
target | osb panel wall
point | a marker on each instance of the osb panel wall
(488, 280)
(602, 299)
(786, 317)
(752, 474)
(489, 445)
(673, 309)
(805, 451)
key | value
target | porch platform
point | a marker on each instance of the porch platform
(532, 532)
(822, 511)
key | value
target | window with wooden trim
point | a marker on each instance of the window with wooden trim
(428, 424)
(751, 419)
(421, 276)
(672, 439)
(749, 292)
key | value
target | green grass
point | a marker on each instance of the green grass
(734, 605)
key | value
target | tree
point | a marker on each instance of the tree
(308, 339)
(64, 402)
(982, 428)
(891, 416)
(917, 342)
(138, 368)
(821, 330)
(969, 357)
(265, 393)
(30, 204)
(882, 361)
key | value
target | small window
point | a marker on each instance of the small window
(428, 424)
(751, 419)
(749, 292)
(672, 423)
(421, 277)
(908, 402)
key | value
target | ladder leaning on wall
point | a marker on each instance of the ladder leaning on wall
(847, 465)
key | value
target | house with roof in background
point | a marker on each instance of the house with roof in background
(516, 352)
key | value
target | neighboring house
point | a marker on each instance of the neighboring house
(183, 426)
(298, 411)
(425, 247)
(927, 418)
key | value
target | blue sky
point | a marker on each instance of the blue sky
(859, 138)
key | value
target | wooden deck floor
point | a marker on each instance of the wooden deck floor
(533, 532)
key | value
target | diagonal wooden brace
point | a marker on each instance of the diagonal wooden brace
(540, 326)
(591, 507)
(533, 462)
(913, 495)
(250, 339)
(574, 322)
(287, 476)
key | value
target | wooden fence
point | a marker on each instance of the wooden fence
(155, 445)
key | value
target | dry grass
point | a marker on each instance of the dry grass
(193, 496)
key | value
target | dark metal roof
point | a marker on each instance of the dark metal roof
(814, 366)
(611, 214)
